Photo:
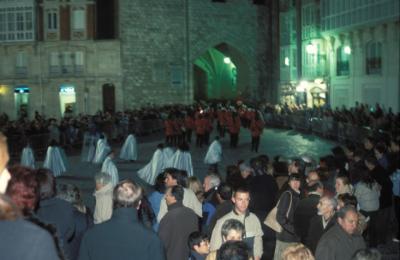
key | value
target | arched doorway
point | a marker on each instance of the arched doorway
(220, 73)
(109, 98)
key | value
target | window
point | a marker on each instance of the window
(54, 63)
(79, 62)
(16, 23)
(3, 26)
(67, 59)
(78, 20)
(342, 62)
(52, 21)
(374, 58)
(21, 64)
(176, 75)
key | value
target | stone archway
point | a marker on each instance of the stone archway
(221, 72)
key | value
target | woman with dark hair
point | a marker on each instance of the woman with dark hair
(156, 196)
(23, 189)
(145, 213)
(367, 192)
(234, 177)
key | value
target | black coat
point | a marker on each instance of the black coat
(82, 223)
(21, 239)
(316, 230)
(60, 214)
(305, 211)
(121, 237)
(381, 176)
(174, 230)
(288, 233)
(263, 192)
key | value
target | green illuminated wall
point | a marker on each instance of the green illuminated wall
(221, 77)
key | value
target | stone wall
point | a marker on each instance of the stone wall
(160, 40)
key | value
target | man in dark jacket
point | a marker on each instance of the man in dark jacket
(123, 236)
(177, 225)
(342, 240)
(307, 209)
(55, 211)
(322, 222)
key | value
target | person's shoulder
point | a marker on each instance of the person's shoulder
(228, 215)
(332, 235)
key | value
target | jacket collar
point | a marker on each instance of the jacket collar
(176, 205)
(129, 214)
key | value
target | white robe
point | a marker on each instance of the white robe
(102, 149)
(150, 172)
(214, 153)
(55, 161)
(110, 168)
(129, 150)
(181, 160)
(168, 153)
(88, 147)
(27, 157)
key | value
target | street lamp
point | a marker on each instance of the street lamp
(287, 61)
(347, 50)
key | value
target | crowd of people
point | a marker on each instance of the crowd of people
(341, 206)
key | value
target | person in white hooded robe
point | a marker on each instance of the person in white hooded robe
(156, 165)
(168, 152)
(214, 153)
(182, 160)
(102, 149)
(89, 146)
(129, 150)
(27, 157)
(109, 167)
(55, 159)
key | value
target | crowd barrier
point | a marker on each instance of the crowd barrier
(40, 142)
(325, 127)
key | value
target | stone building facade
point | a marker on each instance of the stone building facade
(345, 52)
(149, 60)
(162, 42)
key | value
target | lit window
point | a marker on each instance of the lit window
(342, 62)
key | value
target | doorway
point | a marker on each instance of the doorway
(109, 98)
(21, 98)
(67, 100)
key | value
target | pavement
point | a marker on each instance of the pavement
(287, 143)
